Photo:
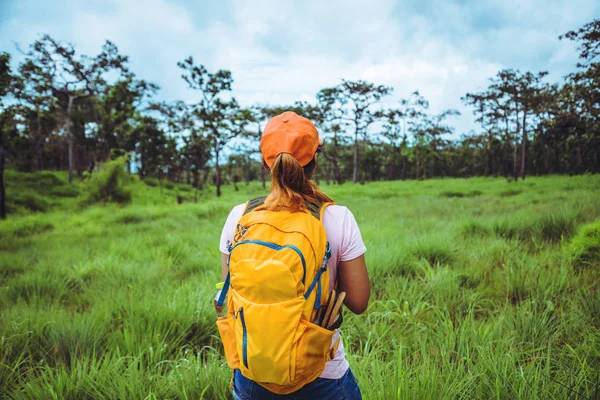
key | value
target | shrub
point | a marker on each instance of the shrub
(107, 185)
(472, 193)
(152, 182)
(452, 194)
(512, 229)
(185, 188)
(434, 250)
(29, 201)
(64, 191)
(26, 227)
(129, 219)
(168, 185)
(43, 179)
(554, 227)
(510, 192)
(585, 247)
(473, 228)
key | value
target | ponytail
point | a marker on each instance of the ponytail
(291, 186)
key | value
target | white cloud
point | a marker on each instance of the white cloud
(280, 52)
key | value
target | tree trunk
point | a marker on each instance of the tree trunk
(507, 151)
(524, 144)
(418, 176)
(546, 158)
(196, 182)
(403, 168)
(70, 136)
(2, 190)
(488, 167)
(579, 160)
(336, 168)
(217, 172)
(515, 146)
(355, 174)
(187, 169)
(431, 169)
(37, 148)
(392, 169)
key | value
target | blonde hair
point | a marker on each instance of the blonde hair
(291, 187)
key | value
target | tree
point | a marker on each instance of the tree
(489, 114)
(355, 101)
(588, 37)
(37, 109)
(5, 118)
(116, 107)
(585, 85)
(178, 121)
(329, 120)
(70, 78)
(153, 147)
(529, 87)
(513, 98)
(397, 125)
(221, 120)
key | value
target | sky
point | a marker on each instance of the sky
(283, 51)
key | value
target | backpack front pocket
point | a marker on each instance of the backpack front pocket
(311, 352)
(227, 332)
(264, 336)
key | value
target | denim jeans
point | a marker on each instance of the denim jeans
(345, 388)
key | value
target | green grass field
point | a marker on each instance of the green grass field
(480, 289)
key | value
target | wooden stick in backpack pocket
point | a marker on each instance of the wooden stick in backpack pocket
(330, 303)
(336, 308)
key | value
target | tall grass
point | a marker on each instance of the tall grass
(481, 289)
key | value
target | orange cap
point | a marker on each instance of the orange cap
(289, 133)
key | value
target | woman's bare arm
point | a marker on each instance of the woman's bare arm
(354, 280)
(224, 267)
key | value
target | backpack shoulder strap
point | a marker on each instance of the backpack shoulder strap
(317, 209)
(254, 203)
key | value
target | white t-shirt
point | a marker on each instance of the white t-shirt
(346, 244)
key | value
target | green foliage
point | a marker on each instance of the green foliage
(108, 184)
(64, 191)
(473, 228)
(472, 193)
(25, 227)
(28, 202)
(152, 182)
(553, 228)
(116, 302)
(585, 247)
(37, 192)
(168, 185)
(550, 228)
(510, 192)
(434, 249)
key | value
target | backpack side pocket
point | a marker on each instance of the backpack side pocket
(227, 332)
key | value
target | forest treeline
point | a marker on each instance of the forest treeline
(62, 110)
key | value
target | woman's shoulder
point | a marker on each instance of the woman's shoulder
(338, 213)
(337, 210)
(236, 212)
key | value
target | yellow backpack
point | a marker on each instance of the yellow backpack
(277, 281)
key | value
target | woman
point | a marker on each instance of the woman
(289, 145)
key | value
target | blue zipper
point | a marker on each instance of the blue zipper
(275, 247)
(244, 337)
